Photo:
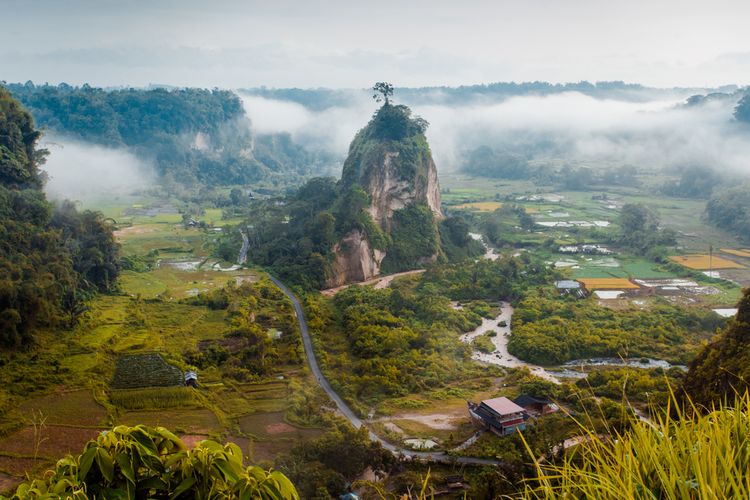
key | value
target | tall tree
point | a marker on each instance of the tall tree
(382, 91)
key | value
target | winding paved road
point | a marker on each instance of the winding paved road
(349, 414)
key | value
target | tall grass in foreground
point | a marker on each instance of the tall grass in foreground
(704, 456)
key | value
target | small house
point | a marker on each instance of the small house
(536, 406)
(191, 379)
(500, 415)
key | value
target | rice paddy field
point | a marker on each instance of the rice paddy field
(549, 205)
(55, 398)
(737, 253)
(614, 267)
(608, 284)
(480, 206)
(704, 262)
(173, 282)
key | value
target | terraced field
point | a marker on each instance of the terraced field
(737, 253)
(480, 206)
(608, 284)
(704, 262)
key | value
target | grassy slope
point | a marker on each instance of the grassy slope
(62, 385)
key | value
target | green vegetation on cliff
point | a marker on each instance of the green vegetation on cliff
(392, 130)
(414, 239)
(722, 370)
(297, 236)
(51, 258)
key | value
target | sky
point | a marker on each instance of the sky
(351, 43)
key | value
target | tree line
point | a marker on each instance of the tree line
(52, 257)
(190, 135)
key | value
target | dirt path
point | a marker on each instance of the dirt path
(500, 356)
(377, 283)
(490, 252)
(439, 421)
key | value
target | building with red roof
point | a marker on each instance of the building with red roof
(500, 415)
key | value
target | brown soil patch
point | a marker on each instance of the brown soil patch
(192, 440)
(189, 421)
(54, 441)
(263, 426)
(279, 428)
(244, 444)
(137, 229)
(438, 421)
(65, 407)
(20, 466)
(8, 483)
(264, 451)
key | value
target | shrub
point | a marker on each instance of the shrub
(484, 344)
(143, 462)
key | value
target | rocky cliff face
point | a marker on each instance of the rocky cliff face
(354, 259)
(390, 192)
(391, 161)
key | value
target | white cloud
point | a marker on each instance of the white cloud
(652, 133)
(331, 129)
(85, 172)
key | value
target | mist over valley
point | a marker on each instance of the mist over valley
(335, 250)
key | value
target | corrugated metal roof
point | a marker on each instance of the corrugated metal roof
(503, 406)
(567, 284)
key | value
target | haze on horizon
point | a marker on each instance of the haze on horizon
(338, 43)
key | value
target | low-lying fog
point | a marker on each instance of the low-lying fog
(560, 128)
(570, 127)
(85, 172)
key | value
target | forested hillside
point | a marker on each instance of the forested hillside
(190, 135)
(722, 370)
(730, 210)
(51, 258)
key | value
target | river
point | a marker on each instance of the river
(489, 252)
(572, 369)
(501, 356)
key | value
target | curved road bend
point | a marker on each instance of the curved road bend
(348, 413)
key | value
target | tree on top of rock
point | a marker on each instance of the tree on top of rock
(382, 91)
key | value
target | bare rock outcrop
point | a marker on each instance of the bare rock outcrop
(354, 259)
(390, 192)
(392, 162)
